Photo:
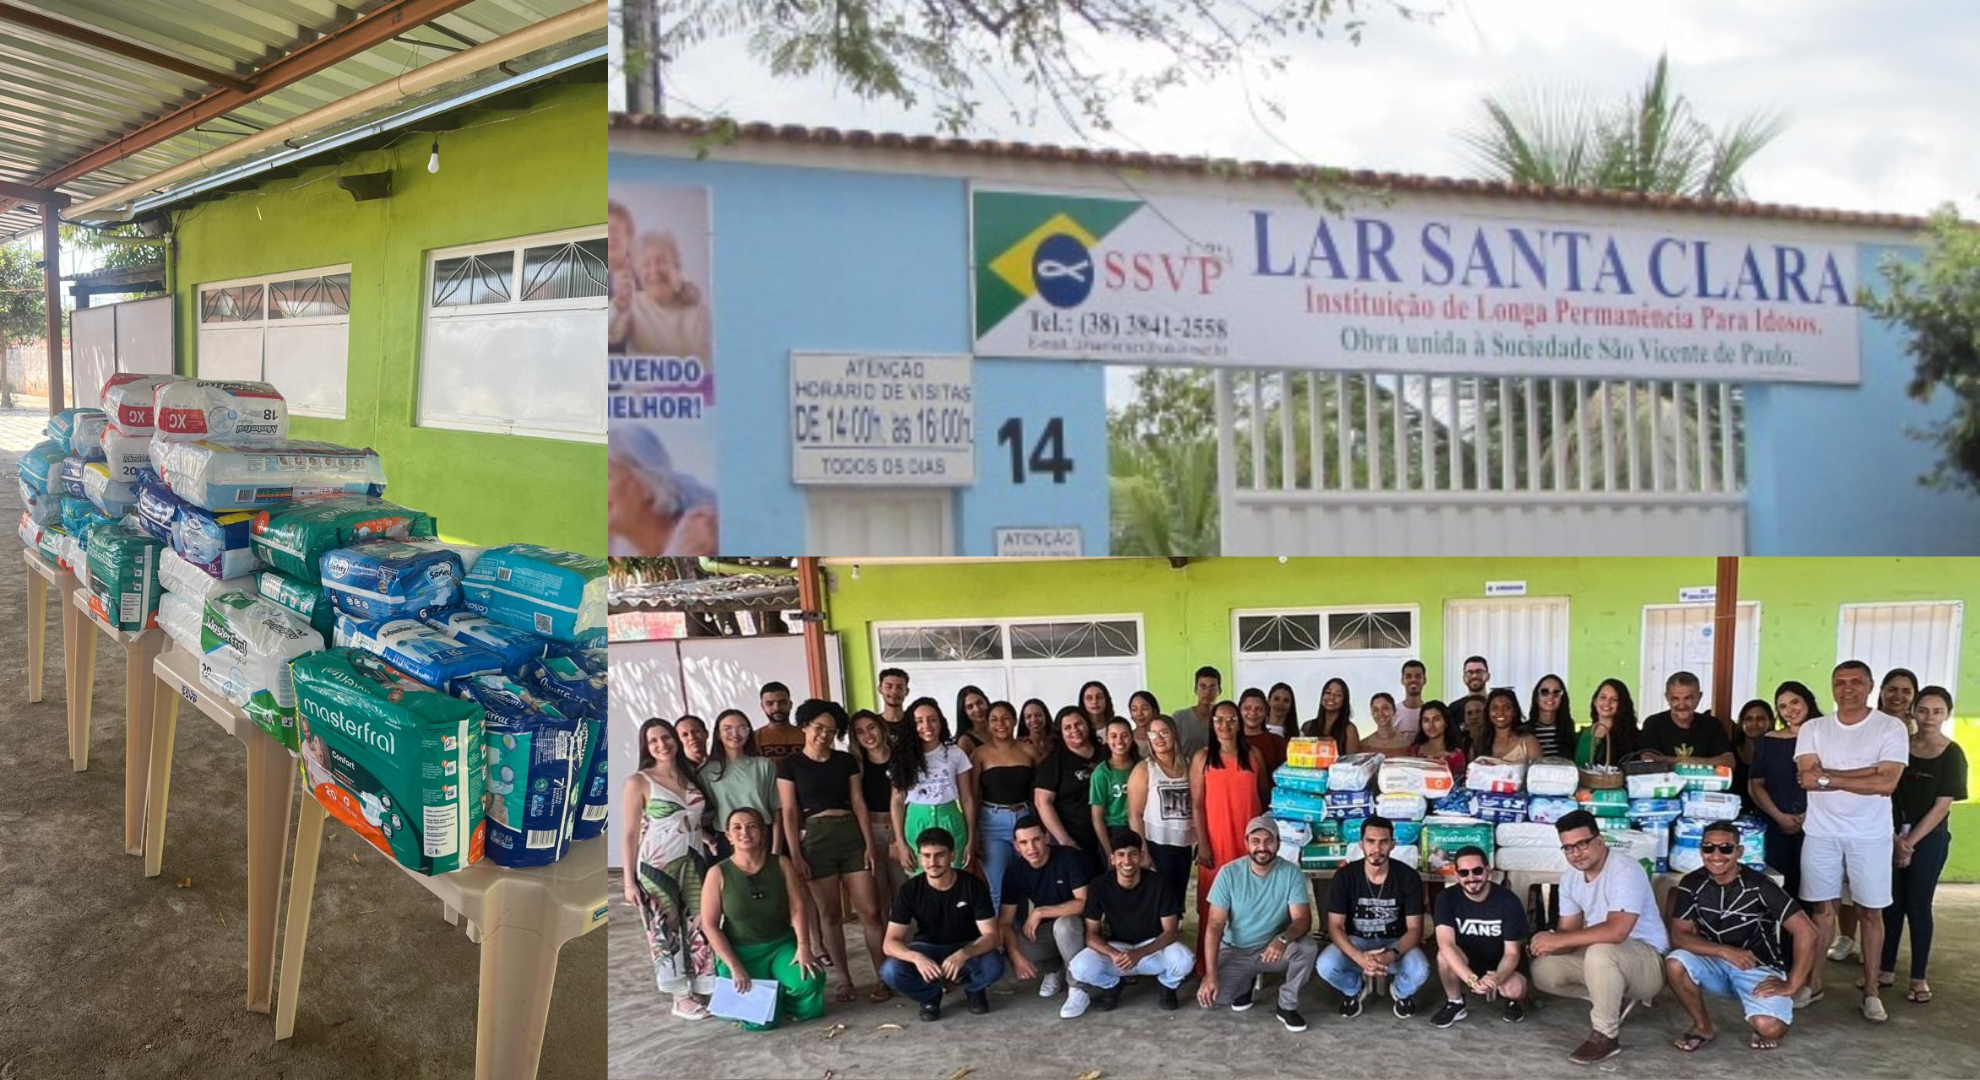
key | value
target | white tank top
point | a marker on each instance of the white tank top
(1166, 818)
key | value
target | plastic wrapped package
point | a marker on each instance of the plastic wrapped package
(577, 690)
(1635, 845)
(1700, 777)
(554, 593)
(1442, 841)
(177, 575)
(1294, 834)
(536, 760)
(1414, 776)
(63, 428)
(86, 439)
(218, 543)
(126, 455)
(130, 399)
(398, 763)
(1657, 785)
(30, 531)
(181, 618)
(1711, 805)
(1291, 805)
(228, 475)
(306, 600)
(69, 478)
(1525, 834)
(417, 650)
(1533, 859)
(1327, 856)
(1296, 778)
(1408, 855)
(238, 412)
(1350, 804)
(1311, 753)
(1406, 832)
(1548, 809)
(123, 576)
(591, 655)
(114, 498)
(38, 464)
(595, 804)
(389, 579)
(1491, 774)
(157, 509)
(1498, 807)
(1552, 776)
(246, 645)
(516, 647)
(469, 554)
(293, 539)
(1354, 773)
(1457, 801)
(52, 541)
(40, 507)
(1401, 806)
(1668, 809)
(81, 515)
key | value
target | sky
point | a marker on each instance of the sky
(1878, 96)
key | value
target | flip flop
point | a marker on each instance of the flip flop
(1690, 1041)
(1761, 1042)
(1882, 982)
(1919, 996)
(880, 994)
(845, 993)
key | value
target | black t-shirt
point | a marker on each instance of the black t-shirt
(1065, 869)
(943, 917)
(875, 786)
(821, 785)
(1706, 738)
(1483, 928)
(1926, 780)
(1376, 911)
(1746, 914)
(1131, 915)
(1066, 775)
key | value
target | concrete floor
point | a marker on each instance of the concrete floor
(1024, 1037)
(104, 973)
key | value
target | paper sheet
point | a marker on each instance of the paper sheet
(759, 1006)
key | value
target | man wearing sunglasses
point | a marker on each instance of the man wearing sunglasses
(1727, 922)
(1609, 944)
(1481, 927)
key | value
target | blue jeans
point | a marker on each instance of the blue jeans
(994, 828)
(1412, 970)
(1721, 978)
(978, 974)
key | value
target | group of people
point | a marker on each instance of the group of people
(1057, 846)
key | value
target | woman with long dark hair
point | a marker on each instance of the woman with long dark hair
(1282, 710)
(1387, 738)
(1004, 772)
(932, 786)
(1097, 702)
(1335, 720)
(1256, 712)
(1036, 729)
(737, 774)
(1438, 738)
(1550, 716)
(1224, 797)
(872, 740)
(1756, 720)
(972, 712)
(753, 911)
(1897, 692)
(1063, 784)
(1509, 739)
(824, 806)
(665, 859)
(1933, 780)
(1611, 732)
(1774, 784)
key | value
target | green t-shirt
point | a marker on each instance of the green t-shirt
(1260, 907)
(1108, 790)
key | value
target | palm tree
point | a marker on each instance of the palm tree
(1652, 143)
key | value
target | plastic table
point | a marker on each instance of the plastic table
(522, 918)
(140, 649)
(271, 791)
(41, 575)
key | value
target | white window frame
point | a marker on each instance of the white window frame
(266, 281)
(1326, 651)
(1010, 662)
(1746, 671)
(1951, 659)
(428, 313)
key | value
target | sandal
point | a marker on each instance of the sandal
(687, 1008)
(845, 993)
(1690, 1041)
(1883, 981)
(880, 994)
(1761, 1042)
(1919, 995)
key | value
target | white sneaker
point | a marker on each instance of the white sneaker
(1873, 1010)
(1049, 985)
(1842, 949)
(1076, 1003)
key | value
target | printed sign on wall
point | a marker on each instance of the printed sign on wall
(1213, 282)
(896, 421)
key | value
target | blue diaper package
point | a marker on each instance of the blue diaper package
(576, 691)
(595, 803)
(65, 426)
(516, 647)
(69, 478)
(589, 655)
(220, 543)
(157, 509)
(418, 650)
(1350, 804)
(542, 590)
(39, 463)
(79, 515)
(1668, 809)
(536, 758)
(389, 579)
(1498, 807)
(1457, 802)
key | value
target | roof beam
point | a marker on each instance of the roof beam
(395, 17)
(119, 47)
(24, 193)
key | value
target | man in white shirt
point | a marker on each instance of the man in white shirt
(1410, 708)
(1850, 763)
(1609, 944)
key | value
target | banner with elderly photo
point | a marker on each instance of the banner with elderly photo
(662, 372)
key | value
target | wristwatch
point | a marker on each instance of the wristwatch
(1281, 939)
(1822, 781)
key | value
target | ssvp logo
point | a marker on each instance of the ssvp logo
(1062, 270)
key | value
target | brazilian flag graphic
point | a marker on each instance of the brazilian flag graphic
(1010, 230)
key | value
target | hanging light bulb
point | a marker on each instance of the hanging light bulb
(433, 159)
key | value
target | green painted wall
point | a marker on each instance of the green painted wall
(1186, 612)
(504, 173)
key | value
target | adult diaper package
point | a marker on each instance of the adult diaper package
(1491, 774)
(468, 553)
(536, 767)
(1525, 834)
(1442, 841)
(1656, 785)
(1414, 776)
(157, 509)
(418, 650)
(38, 464)
(386, 579)
(113, 497)
(1357, 803)
(123, 576)
(86, 437)
(239, 412)
(69, 478)
(1311, 753)
(62, 428)
(1532, 859)
(1552, 776)
(1711, 805)
(1667, 809)
(1294, 778)
(1290, 805)
(294, 539)
(595, 802)
(1409, 855)
(1294, 834)
(1548, 809)
(516, 647)
(1327, 856)
(577, 690)
(126, 455)
(80, 515)
(302, 598)
(397, 762)
(1354, 772)
(542, 590)
(1456, 801)
(231, 475)
(246, 644)
(176, 575)
(1498, 807)
(1700, 777)
(52, 542)
(1401, 806)
(40, 507)
(218, 543)
(181, 618)
(129, 401)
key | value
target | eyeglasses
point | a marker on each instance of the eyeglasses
(1717, 849)
(1577, 847)
(1551, 692)
(1476, 871)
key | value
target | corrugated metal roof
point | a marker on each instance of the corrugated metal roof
(61, 99)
